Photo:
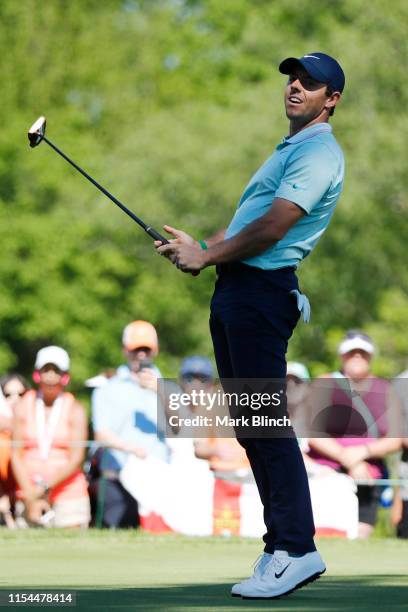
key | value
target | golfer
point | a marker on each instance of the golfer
(284, 210)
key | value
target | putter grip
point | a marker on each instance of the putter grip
(152, 232)
(156, 236)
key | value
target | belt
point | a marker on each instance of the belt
(235, 267)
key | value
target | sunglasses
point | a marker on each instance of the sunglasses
(189, 378)
(13, 394)
(351, 335)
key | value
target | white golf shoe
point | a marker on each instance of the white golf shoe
(284, 574)
(259, 567)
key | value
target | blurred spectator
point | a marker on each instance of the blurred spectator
(195, 375)
(227, 459)
(100, 379)
(234, 497)
(52, 427)
(13, 386)
(400, 505)
(297, 391)
(124, 418)
(297, 394)
(355, 403)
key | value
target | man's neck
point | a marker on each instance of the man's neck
(295, 127)
(49, 399)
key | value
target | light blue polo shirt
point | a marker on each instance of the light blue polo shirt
(307, 169)
(130, 411)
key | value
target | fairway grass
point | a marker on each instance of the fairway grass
(131, 570)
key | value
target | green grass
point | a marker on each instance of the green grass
(126, 571)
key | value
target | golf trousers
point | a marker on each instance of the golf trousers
(253, 315)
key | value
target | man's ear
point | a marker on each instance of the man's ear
(65, 378)
(333, 100)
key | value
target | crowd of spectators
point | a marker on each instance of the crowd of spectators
(51, 475)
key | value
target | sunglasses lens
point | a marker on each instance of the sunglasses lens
(15, 394)
(189, 378)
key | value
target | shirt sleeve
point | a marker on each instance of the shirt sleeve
(308, 174)
(101, 410)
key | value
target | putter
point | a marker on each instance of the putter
(36, 134)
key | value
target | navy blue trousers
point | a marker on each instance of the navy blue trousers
(252, 318)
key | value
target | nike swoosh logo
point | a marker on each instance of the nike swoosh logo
(282, 572)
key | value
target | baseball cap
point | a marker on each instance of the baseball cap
(138, 334)
(52, 354)
(320, 66)
(197, 365)
(295, 368)
(354, 340)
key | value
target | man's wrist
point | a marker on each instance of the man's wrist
(203, 245)
(206, 257)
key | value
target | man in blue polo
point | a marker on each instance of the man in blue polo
(284, 210)
(124, 420)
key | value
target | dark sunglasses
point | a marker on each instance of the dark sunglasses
(14, 394)
(189, 378)
(351, 335)
(307, 81)
(295, 379)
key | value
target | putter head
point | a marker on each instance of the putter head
(37, 131)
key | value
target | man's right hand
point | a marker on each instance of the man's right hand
(180, 237)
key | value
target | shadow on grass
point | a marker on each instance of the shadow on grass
(361, 593)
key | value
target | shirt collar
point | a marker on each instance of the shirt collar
(123, 372)
(307, 133)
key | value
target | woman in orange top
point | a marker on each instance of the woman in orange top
(52, 427)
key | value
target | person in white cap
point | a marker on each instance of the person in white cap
(297, 390)
(52, 427)
(359, 414)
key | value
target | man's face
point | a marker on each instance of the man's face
(50, 375)
(305, 98)
(135, 356)
(196, 382)
(356, 364)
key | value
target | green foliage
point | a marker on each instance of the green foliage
(173, 105)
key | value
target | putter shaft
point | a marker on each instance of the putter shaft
(149, 230)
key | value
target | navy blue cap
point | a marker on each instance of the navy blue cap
(319, 66)
(196, 366)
